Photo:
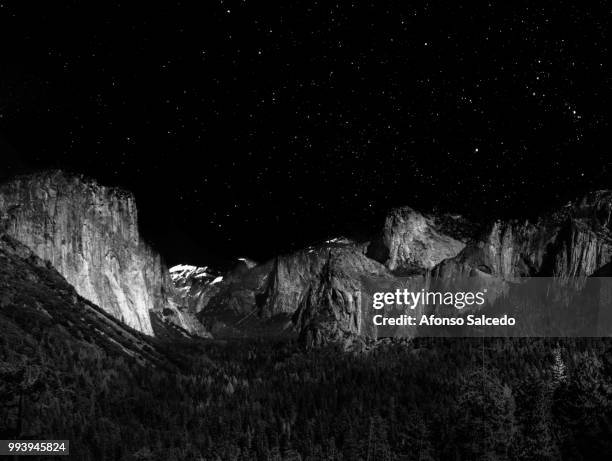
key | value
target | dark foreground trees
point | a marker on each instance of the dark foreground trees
(450, 400)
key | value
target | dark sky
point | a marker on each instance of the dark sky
(250, 128)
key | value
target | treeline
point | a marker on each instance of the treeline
(462, 399)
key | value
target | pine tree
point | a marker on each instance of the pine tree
(535, 439)
(485, 416)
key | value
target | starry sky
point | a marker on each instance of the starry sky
(251, 128)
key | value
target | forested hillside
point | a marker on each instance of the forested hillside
(459, 399)
(70, 371)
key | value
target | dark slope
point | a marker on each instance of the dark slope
(37, 305)
(59, 353)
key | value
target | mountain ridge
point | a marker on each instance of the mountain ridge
(313, 289)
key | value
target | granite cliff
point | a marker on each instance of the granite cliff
(89, 233)
(321, 293)
(37, 303)
(575, 240)
(411, 241)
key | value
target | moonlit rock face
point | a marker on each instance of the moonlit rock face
(328, 289)
(411, 240)
(574, 241)
(316, 287)
(89, 233)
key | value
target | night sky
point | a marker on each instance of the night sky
(252, 128)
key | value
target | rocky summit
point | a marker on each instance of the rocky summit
(410, 240)
(89, 234)
(195, 285)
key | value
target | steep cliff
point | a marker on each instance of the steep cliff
(334, 303)
(573, 241)
(89, 233)
(412, 241)
(37, 304)
(297, 294)
(322, 293)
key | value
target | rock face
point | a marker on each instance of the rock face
(584, 243)
(573, 241)
(195, 286)
(410, 240)
(89, 233)
(34, 297)
(505, 251)
(322, 293)
(334, 300)
(318, 294)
